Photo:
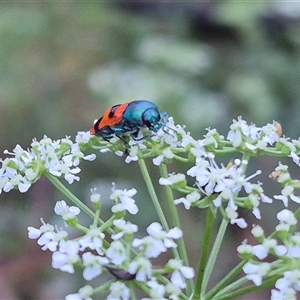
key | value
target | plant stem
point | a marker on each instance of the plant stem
(225, 281)
(248, 289)
(204, 254)
(176, 222)
(152, 194)
(213, 255)
(70, 195)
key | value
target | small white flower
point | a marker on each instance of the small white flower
(92, 240)
(83, 137)
(257, 231)
(244, 249)
(142, 269)
(167, 153)
(126, 228)
(287, 193)
(93, 265)
(188, 200)
(66, 257)
(118, 291)
(158, 240)
(287, 293)
(157, 291)
(124, 201)
(172, 179)
(116, 253)
(233, 216)
(95, 197)
(288, 285)
(133, 153)
(180, 273)
(83, 294)
(46, 236)
(256, 272)
(286, 216)
(67, 212)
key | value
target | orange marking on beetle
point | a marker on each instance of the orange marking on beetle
(113, 116)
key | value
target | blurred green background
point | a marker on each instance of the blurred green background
(63, 64)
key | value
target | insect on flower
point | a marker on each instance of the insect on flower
(127, 119)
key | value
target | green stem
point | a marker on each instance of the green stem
(97, 217)
(213, 255)
(82, 228)
(297, 213)
(103, 287)
(204, 254)
(249, 289)
(231, 287)
(152, 194)
(69, 195)
(225, 281)
(176, 222)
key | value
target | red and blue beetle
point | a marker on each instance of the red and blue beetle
(128, 118)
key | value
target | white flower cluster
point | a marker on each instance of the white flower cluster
(251, 137)
(95, 255)
(220, 185)
(284, 245)
(57, 157)
(282, 176)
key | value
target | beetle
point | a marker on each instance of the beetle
(127, 119)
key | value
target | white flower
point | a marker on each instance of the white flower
(158, 240)
(83, 294)
(46, 236)
(172, 179)
(66, 257)
(251, 137)
(124, 201)
(92, 240)
(93, 265)
(157, 291)
(257, 231)
(180, 273)
(244, 249)
(126, 228)
(142, 269)
(167, 153)
(62, 169)
(287, 293)
(150, 246)
(211, 178)
(95, 197)
(67, 212)
(173, 291)
(133, 153)
(116, 253)
(286, 216)
(287, 193)
(18, 181)
(288, 285)
(188, 200)
(59, 158)
(118, 291)
(256, 272)
(233, 216)
(83, 137)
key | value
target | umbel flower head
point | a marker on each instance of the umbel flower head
(60, 158)
(115, 247)
(95, 256)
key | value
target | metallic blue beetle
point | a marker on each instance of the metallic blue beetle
(128, 118)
